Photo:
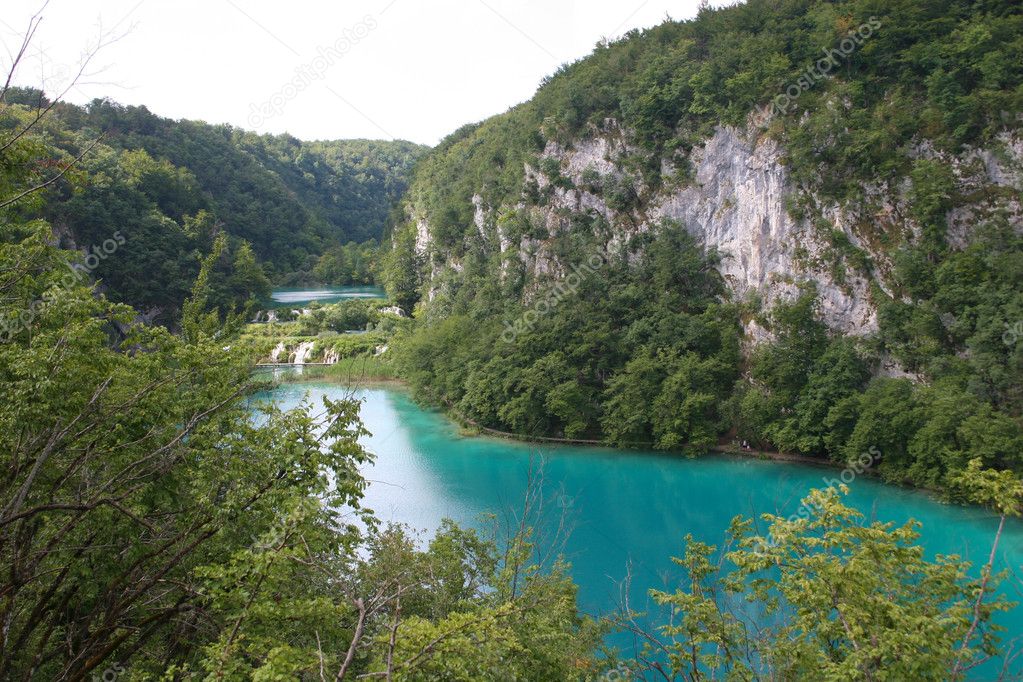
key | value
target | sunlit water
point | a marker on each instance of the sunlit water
(304, 296)
(624, 506)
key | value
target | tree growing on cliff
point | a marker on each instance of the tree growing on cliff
(402, 266)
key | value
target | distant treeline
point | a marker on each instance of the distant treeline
(170, 186)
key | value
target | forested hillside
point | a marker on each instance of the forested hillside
(288, 207)
(698, 234)
(792, 222)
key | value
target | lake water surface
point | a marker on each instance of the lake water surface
(297, 296)
(625, 506)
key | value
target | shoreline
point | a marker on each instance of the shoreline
(464, 424)
(303, 377)
(719, 449)
(767, 455)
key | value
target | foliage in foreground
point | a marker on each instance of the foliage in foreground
(151, 526)
(834, 598)
(157, 524)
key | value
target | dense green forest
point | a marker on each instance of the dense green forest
(947, 72)
(649, 347)
(295, 212)
(159, 520)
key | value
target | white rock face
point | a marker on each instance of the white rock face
(736, 204)
(979, 169)
(593, 154)
(479, 216)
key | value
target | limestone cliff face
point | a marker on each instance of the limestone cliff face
(737, 204)
(738, 199)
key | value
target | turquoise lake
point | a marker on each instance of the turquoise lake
(297, 296)
(623, 506)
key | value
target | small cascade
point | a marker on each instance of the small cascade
(275, 354)
(265, 316)
(330, 357)
(303, 352)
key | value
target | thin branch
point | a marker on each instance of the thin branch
(58, 176)
(356, 638)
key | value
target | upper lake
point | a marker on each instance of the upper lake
(623, 506)
(286, 296)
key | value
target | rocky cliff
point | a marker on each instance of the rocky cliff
(738, 198)
(792, 223)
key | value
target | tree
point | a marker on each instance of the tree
(240, 282)
(626, 419)
(402, 266)
(834, 599)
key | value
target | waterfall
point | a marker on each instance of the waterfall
(330, 357)
(303, 352)
(265, 316)
(275, 354)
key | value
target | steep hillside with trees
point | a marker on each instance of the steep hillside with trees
(792, 222)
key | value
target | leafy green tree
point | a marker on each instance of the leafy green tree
(837, 599)
(239, 283)
(888, 418)
(627, 418)
(838, 374)
(931, 198)
(401, 271)
(350, 263)
(685, 412)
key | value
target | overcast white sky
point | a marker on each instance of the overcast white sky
(406, 69)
